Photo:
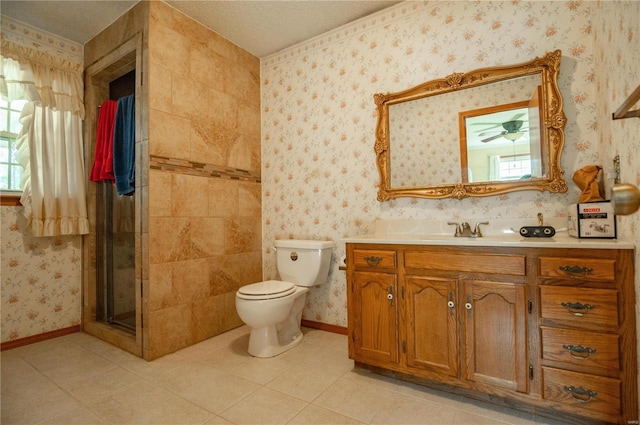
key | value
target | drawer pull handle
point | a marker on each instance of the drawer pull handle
(578, 309)
(576, 272)
(373, 261)
(580, 394)
(578, 351)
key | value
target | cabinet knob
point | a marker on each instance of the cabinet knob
(580, 394)
(467, 306)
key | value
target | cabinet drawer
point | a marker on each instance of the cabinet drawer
(583, 391)
(581, 348)
(584, 307)
(474, 263)
(374, 258)
(578, 268)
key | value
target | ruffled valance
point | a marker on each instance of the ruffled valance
(46, 80)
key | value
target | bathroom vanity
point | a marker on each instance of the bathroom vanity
(543, 325)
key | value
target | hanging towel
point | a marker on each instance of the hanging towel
(124, 141)
(103, 161)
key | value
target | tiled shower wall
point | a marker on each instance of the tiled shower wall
(204, 199)
(198, 190)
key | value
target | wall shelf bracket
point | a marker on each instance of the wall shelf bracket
(623, 111)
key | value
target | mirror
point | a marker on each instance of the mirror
(485, 132)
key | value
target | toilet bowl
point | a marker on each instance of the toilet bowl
(273, 308)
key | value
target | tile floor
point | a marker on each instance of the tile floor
(78, 379)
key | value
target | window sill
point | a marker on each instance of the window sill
(10, 199)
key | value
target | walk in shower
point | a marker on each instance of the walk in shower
(116, 243)
(112, 266)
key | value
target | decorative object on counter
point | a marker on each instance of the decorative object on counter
(625, 198)
(537, 231)
(586, 179)
(402, 152)
(592, 220)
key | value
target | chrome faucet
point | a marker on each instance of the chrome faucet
(463, 230)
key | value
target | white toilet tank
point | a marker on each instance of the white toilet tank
(303, 262)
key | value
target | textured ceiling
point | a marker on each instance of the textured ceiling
(260, 27)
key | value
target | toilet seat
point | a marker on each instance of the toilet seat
(266, 290)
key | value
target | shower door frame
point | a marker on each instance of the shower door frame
(120, 61)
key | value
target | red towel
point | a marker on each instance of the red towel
(103, 161)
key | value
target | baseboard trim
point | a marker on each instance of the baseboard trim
(8, 345)
(324, 327)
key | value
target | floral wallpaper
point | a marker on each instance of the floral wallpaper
(40, 279)
(318, 166)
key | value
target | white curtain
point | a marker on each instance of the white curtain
(50, 143)
(494, 168)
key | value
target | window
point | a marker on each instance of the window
(514, 167)
(10, 169)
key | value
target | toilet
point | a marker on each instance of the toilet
(273, 308)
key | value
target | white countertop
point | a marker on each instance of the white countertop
(560, 240)
(498, 233)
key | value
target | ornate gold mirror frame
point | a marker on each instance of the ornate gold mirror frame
(552, 119)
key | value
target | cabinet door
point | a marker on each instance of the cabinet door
(431, 324)
(495, 328)
(375, 336)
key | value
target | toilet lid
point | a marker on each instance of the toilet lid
(269, 288)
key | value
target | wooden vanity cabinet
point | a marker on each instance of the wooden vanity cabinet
(545, 330)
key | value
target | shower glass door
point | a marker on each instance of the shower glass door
(116, 258)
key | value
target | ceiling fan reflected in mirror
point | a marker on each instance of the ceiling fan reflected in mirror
(512, 129)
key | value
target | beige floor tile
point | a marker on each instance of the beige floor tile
(225, 358)
(325, 339)
(316, 415)
(207, 387)
(34, 410)
(264, 406)
(78, 366)
(332, 361)
(100, 385)
(261, 370)
(402, 409)
(80, 416)
(498, 413)
(304, 381)
(429, 394)
(20, 380)
(356, 399)
(218, 421)
(144, 404)
(460, 417)
(155, 368)
(300, 353)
